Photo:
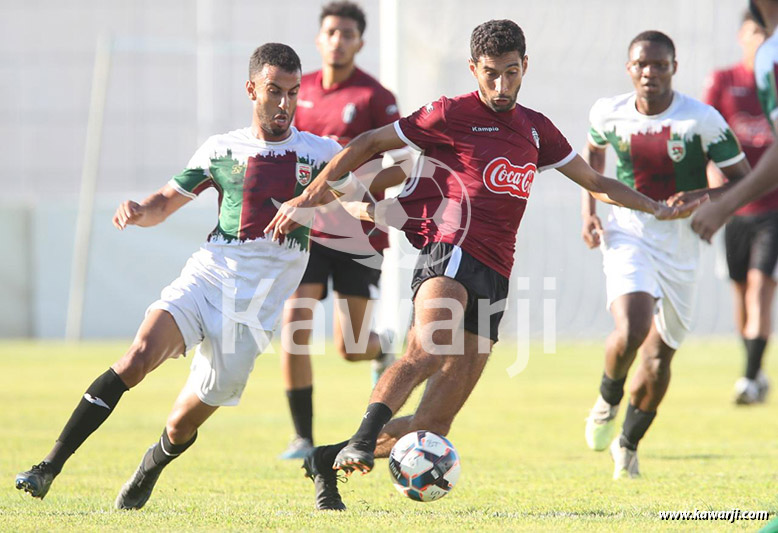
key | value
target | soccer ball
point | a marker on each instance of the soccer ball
(424, 466)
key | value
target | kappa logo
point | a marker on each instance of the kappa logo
(429, 107)
(304, 173)
(676, 149)
(349, 112)
(391, 109)
(503, 177)
(536, 138)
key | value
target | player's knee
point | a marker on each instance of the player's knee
(632, 333)
(136, 363)
(349, 353)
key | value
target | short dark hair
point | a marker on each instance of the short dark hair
(495, 38)
(276, 55)
(348, 10)
(653, 36)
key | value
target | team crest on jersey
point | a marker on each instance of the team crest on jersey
(304, 173)
(349, 112)
(676, 149)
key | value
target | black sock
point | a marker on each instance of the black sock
(164, 451)
(754, 352)
(635, 426)
(376, 417)
(301, 407)
(94, 408)
(612, 390)
(328, 453)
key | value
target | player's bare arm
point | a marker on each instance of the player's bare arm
(151, 211)
(732, 173)
(591, 230)
(613, 192)
(762, 179)
(362, 148)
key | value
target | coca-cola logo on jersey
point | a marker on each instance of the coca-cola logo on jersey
(503, 177)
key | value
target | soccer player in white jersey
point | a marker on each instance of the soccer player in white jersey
(229, 296)
(663, 141)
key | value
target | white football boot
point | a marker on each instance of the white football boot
(625, 461)
(601, 424)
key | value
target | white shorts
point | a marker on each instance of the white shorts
(631, 265)
(226, 349)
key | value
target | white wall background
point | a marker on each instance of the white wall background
(154, 123)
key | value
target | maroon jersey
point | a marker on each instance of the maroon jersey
(732, 92)
(471, 187)
(342, 112)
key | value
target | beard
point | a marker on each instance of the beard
(269, 126)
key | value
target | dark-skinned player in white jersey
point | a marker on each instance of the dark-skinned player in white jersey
(664, 141)
(496, 147)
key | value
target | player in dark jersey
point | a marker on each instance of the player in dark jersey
(483, 151)
(764, 177)
(339, 101)
(751, 237)
(237, 268)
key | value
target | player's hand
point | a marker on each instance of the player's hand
(709, 219)
(291, 215)
(127, 214)
(592, 231)
(685, 197)
(667, 212)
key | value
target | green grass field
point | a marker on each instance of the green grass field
(525, 466)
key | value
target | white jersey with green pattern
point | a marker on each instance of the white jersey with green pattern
(660, 155)
(765, 66)
(238, 264)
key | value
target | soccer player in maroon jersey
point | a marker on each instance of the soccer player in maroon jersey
(485, 150)
(751, 237)
(339, 101)
(764, 177)
(237, 268)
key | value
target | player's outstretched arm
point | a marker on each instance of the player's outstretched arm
(729, 176)
(151, 211)
(359, 150)
(613, 192)
(759, 181)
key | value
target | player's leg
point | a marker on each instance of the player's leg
(296, 369)
(632, 315)
(446, 392)
(394, 386)
(221, 366)
(352, 314)
(760, 289)
(180, 432)
(157, 339)
(438, 327)
(355, 284)
(647, 389)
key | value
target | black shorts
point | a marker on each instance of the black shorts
(349, 277)
(480, 281)
(752, 242)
